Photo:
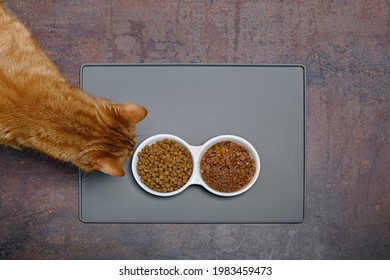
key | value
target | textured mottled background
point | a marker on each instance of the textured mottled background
(345, 47)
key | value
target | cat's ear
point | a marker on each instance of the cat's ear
(109, 166)
(132, 113)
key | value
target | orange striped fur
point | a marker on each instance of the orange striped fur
(39, 110)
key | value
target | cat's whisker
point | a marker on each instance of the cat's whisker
(113, 96)
(140, 133)
(88, 177)
(110, 95)
(87, 180)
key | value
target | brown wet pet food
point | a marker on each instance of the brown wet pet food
(164, 166)
(227, 167)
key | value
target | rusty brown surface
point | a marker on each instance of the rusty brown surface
(345, 47)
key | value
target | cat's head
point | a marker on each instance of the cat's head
(113, 138)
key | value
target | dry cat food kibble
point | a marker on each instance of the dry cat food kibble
(164, 166)
(227, 167)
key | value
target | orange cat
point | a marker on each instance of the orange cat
(39, 110)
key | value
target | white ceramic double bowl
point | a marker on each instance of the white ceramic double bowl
(196, 155)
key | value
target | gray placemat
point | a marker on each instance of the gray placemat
(265, 104)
